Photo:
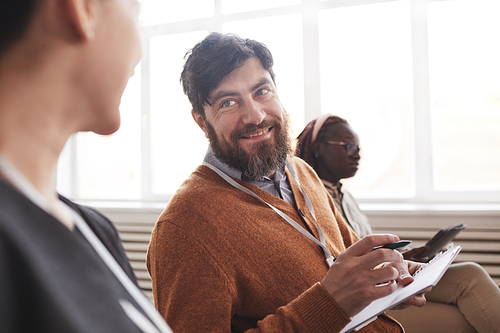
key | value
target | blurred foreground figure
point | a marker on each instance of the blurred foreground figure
(63, 67)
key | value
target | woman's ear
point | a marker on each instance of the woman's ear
(82, 16)
(201, 122)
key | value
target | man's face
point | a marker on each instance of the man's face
(246, 123)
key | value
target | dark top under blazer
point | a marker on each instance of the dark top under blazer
(51, 279)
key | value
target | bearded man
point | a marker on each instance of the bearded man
(248, 241)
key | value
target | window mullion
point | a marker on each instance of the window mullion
(146, 156)
(312, 89)
(422, 114)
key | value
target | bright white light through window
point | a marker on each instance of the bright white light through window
(178, 145)
(365, 74)
(155, 12)
(285, 43)
(238, 6)
(464, 64)
(366, 77)
(109, 167)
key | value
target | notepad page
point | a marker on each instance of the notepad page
(427, 276)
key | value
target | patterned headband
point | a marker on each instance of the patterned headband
(317, 126)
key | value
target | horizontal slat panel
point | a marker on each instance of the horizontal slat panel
(488, 235)
(474, 246)
(145, 284)
(433, 221)
(136, 256)
(135, 228)
(135, 247)
(135, 238)
(481, 245)
(480, 258)
(149, 294)
(138, 265)
(479, 235)
(492, 270)
(142, 275)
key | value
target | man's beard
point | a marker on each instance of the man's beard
(267, 157)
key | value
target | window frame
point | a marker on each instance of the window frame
(425, 194)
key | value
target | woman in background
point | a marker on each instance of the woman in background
(63, 67)
(466, 299)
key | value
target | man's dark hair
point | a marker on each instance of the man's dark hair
(15, 17)
(215, 57)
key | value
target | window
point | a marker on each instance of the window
(176, 143)
(417, 79)
(366, 78)
(465, 95)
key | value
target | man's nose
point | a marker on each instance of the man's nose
(253, 112)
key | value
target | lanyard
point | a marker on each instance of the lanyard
(125, 281)
(298, 227)
(23, 185)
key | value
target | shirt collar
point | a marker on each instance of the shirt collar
(336, 188)
(213, 160)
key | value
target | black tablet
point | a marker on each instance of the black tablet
(440, 240)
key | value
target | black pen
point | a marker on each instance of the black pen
(393, 246)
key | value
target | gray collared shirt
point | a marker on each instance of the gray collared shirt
(279, 186)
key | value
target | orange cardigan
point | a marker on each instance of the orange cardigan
(222, 261)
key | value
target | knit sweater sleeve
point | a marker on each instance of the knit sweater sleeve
(195, 294)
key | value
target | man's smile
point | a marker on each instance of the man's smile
(257, 134)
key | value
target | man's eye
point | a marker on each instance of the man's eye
(262, 91)
(227, 104)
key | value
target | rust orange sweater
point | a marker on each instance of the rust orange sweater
(222, 261)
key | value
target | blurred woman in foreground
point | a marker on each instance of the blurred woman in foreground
(63, 67)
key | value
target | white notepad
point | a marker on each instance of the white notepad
(427, 276)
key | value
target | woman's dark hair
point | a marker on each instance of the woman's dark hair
(305, 142)
(15, 16)
(215, 57)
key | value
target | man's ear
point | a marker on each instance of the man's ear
(82, 16)
(200, 121)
